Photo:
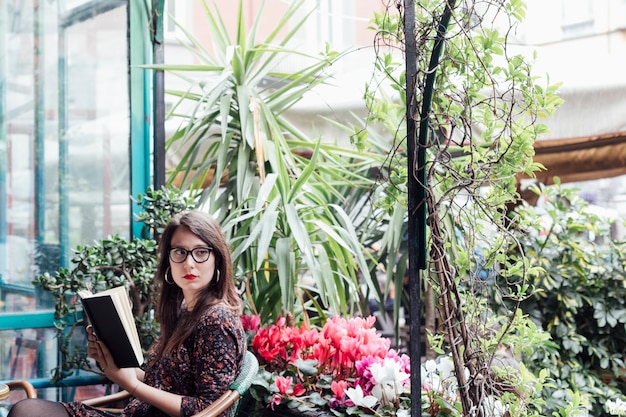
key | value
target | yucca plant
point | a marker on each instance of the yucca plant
(288, 202)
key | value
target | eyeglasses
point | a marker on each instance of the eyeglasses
(179, 255)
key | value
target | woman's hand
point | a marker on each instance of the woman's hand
(126, 378)
(92, 346)
(130, 378)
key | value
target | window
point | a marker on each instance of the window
(332, 22)
(178, 11)
(578, 17)
(64, 151)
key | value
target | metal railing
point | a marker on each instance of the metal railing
(45, 320)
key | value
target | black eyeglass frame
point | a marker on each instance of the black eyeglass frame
(192, 251)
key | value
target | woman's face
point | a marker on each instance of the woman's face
(190, 275)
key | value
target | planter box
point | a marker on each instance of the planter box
(250, 408)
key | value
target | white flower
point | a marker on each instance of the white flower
(360, 400)
(617, 407)
(388, 371)
(445, 367)
(403, 413)
(429, 369)
(389, 380)
(494, 407)
(430, 366)
(435, 383)
(385, 393)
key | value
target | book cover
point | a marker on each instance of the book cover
(110, 314)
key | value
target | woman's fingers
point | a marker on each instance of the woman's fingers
(92, 347)
(106, 360)
(97, 350)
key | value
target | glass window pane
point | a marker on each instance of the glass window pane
(97, 134)
(64, 147)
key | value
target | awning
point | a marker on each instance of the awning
(582, 158)
(587, 133)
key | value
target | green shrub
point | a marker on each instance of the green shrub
(579, 298)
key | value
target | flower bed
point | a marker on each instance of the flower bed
(344, 368)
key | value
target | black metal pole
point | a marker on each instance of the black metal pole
(158, 95)
(424, 128)
(416, 182)
(415, 199)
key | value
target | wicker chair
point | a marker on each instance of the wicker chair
(230, 399)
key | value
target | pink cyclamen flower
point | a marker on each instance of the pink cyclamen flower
(274, 401)
(339, 388)
(251, 323)
(283, 384)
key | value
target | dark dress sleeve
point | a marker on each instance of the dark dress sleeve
(217, 352)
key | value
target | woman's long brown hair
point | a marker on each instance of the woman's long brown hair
(173, 333)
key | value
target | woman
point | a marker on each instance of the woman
(201, 345)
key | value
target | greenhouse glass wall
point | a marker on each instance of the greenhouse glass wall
(75, 128)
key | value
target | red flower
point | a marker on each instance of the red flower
(340, 349)
(265, 343)
(251, 323)
(298, 390)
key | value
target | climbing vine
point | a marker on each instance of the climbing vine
(483, 120)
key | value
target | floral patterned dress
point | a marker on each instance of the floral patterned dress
(201, 370)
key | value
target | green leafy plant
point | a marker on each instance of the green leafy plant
(111, 262)
(288, 202)
(580, 279)
(477, 108)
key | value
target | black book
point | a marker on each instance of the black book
(110, 313)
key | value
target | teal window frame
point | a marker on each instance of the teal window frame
(146, 105)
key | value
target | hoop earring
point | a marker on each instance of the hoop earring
(171, 281)
(218, 276)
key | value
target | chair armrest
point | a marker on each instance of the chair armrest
(26, 386)
(217, 407)
(106, 399)
(220, 405)
(228, 399)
